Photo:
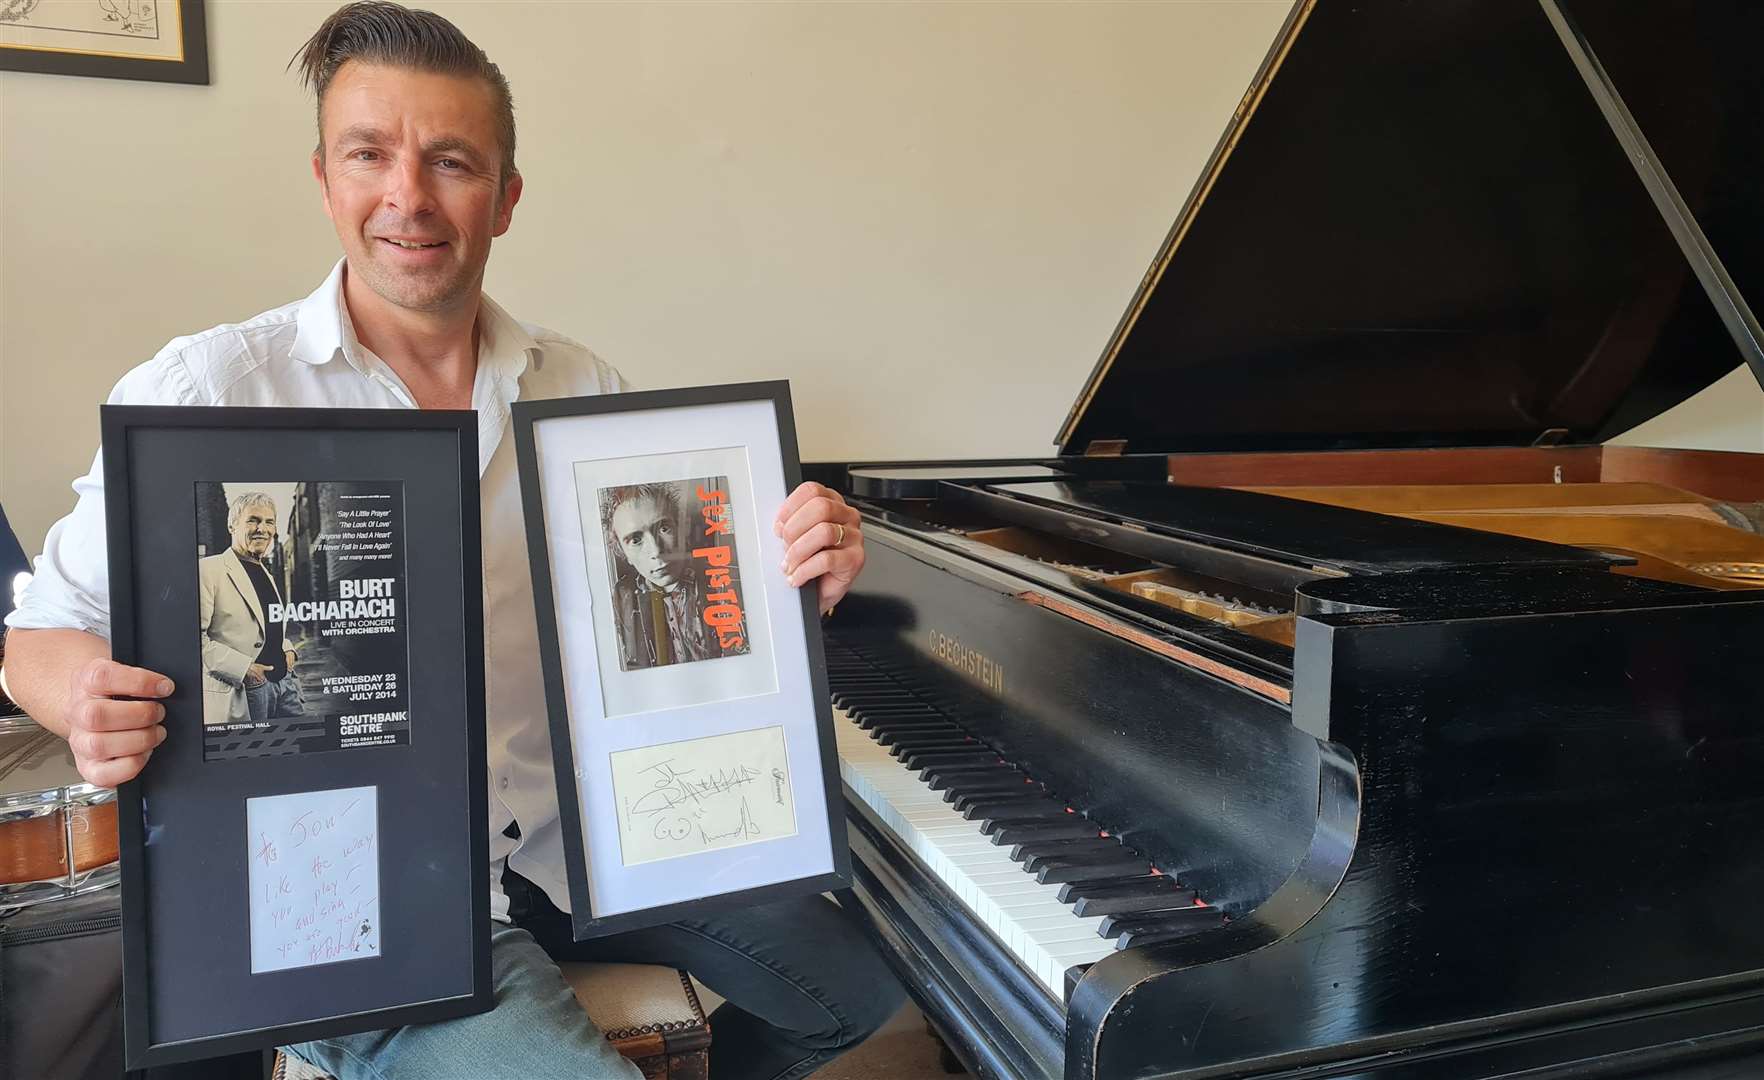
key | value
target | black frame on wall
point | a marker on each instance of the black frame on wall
(192, 68)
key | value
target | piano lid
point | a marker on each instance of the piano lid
(1422, 229)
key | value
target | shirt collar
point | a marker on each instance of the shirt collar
(318, 336)
(322, 333)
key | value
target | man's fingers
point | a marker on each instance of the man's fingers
(107, 678)
(802, 496)
(115, 771)
(843, 562)
(813, 513)
(104, 714)
(106, 745)
(819, 537)
(833, 589)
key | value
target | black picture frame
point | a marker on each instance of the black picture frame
(186, 915)
(191, 69)
(586, 921)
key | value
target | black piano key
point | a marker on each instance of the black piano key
(990, 791)
(1046, 830)
(889, 735)
(941, 777)
(1144, 883)
(901, 713)
(879, 721)
(918, 759)
(1114, 900)
(966, 802)
(849, 697)
(901, 718)
(904, 750)
(1147, 927)
(1153, 935)
(1004, 820)
(1054, 873)
(967, 796)
(995, 780)
(951, 779)
(902, 707)
(1007, 810)
(965, 746)
(869, 717)
(1107, 852)
(927, 736)
(909, 738)
(1101, 845)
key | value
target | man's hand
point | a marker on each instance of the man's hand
(110, 732)
(822, 538)
(257, 674)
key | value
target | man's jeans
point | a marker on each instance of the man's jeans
(275, 700)
(801, 981)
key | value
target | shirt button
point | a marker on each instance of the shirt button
(503, 783)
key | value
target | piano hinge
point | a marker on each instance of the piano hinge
(1555, 436)
(1106, 448)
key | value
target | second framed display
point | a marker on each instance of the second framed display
(305, 855)
(685, 679)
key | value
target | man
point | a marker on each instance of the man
(416, 169)
(658, 598)
(246, 661)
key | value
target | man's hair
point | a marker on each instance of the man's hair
(379, 32)
(665, 495)
(241, 503)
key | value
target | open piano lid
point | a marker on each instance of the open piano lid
(1422, 229)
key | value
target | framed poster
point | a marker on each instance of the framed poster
(154, 40)
(690, 722)
(305, 855)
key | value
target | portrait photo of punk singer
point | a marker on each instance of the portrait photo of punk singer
(247, 661)
(670, 605)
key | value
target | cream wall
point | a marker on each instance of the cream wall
(927, 216)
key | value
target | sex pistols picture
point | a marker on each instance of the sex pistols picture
(676, 585)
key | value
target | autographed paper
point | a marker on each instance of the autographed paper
(315, 878)
(698, 795)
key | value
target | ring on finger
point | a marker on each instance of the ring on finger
(839, 534)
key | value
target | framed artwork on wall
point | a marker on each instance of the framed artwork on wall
(154, 40)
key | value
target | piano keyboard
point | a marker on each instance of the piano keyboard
(1048, 883)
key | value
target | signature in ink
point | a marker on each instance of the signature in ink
(744, 827)
(778, 786)
(674, 788)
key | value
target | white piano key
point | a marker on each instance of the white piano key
(1046, 936)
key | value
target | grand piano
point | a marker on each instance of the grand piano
(1337, 701)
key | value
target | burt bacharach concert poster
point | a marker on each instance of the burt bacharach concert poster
(304, 643)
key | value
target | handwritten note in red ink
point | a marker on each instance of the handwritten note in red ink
(315, 878)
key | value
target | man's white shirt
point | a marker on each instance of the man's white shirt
(305, 354)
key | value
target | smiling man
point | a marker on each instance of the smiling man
(415, 164)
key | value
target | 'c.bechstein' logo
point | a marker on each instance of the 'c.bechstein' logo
(970, 662)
